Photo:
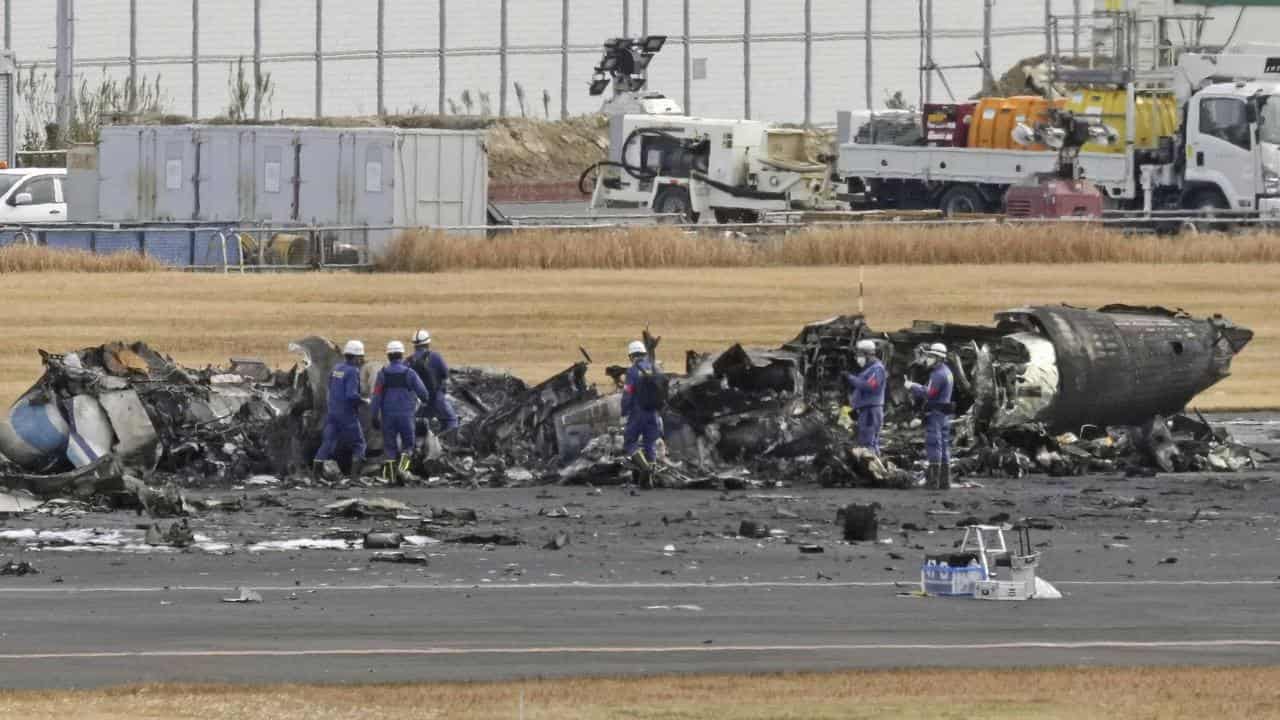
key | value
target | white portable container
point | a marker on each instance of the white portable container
(283, 176)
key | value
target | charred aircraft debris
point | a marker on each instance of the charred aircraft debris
(1048, 389)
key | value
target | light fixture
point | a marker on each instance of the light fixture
(653, 43)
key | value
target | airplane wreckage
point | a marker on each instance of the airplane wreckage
(1048, 389)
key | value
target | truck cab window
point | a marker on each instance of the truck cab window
(1269, 120)
(1225, 119)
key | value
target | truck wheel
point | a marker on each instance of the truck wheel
(962, 199)
(726, 216)
(1207, 201)
(674, 200)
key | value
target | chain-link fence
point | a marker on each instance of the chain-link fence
(782, 60)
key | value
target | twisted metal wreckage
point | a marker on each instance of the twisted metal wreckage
(1051, 389)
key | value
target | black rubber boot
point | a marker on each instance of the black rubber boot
(933, 478)
(944, 476)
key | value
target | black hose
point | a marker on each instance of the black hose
(635, 172)
(641, 173)
(737, 191)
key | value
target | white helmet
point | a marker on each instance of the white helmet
(866, 347)
(937, 350)
(422, 337)
(353, 347)
(636, 348)
(394, 347)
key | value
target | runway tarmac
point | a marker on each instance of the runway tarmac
(1177, 569)
(56, 638)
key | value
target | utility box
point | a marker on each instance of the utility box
(284, 176)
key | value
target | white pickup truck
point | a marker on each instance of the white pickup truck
(32, 195)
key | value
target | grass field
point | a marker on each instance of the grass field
(870, 244)
(534, 322)
(1021, 694)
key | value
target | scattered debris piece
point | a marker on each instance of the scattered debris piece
(383, 540)
(399, 558)
(244, 595)
(18, 568)
(860, 522)
(559, 542)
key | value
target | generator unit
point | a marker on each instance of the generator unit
(690, 167)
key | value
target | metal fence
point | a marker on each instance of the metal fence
(244, 247)
(818, 49)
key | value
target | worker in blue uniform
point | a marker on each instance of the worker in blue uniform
(434, 373)
(642, 400)
(866, 395)
(937, 419)
(342, 421)
(395, 402)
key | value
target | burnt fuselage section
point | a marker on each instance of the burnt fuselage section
(1061, 366)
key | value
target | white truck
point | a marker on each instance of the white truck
(1224, 156)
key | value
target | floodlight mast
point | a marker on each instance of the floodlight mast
(625, 65)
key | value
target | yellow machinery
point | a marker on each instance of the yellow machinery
(995, 118)
(1156, 115)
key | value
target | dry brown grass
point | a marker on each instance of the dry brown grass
(666, 247)
(1166, 693)
(26, 259)
(533, 322)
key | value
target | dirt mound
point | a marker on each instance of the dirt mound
(521, 150)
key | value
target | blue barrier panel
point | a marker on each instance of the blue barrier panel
(7, 238)
(208, 250)
(69, 239)
(171, 247)
(114, 242)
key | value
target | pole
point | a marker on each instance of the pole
(63, 66)
(8, 24)
(644, 17)
(319, 58)
(195, 59)
(988, 79)
(444, 14)
(688, 61)
(133, 55)
(564, 59)
(626, 18)
(868, 79)
(1075, 28)
(502, 59)
(382, 24)
(257, 59)
(928, 50)
(746, 59)
(808, 62)
(1048, 34)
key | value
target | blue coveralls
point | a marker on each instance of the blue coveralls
(342, 422)
(937, 418)
(434, 373)
(867, 400)
(641, 424)
(393, 398)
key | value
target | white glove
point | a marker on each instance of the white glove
(910, 385)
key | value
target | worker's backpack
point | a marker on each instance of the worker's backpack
(651, 389)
